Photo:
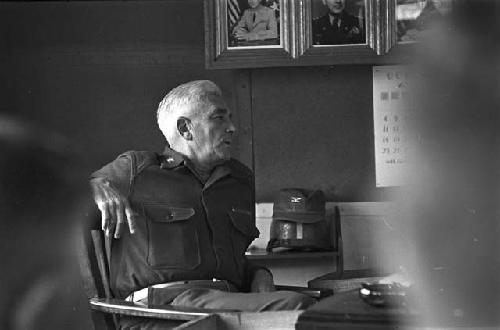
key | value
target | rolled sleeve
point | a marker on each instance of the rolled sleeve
(119, 173)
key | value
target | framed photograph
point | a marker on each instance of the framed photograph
(339, 31)
(412, 20)
(247, 33)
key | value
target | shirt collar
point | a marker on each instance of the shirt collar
(338, 16)
(171, 159)
(335, 18)
(218, 173)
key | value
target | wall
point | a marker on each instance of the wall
(313, 128)
(96, 70)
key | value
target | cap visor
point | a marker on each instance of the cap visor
(298, 217)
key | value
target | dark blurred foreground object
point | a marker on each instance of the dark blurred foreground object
(346, 310)
(40, 190)
(299, 220)
(454, 213)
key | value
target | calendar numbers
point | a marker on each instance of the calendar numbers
(391, 114)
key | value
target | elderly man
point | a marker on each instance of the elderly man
(337, 26)
(190, 213)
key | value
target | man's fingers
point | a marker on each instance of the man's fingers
(103, 208)
(112, 218)
(130, 217)
(109, 213)
(120, 219)
(115, 208)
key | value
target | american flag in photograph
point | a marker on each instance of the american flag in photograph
(233, 12)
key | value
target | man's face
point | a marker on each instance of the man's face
(212, 131)
(253, 3)
(335, 6)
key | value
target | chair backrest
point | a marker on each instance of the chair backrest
(95, 272)
(102, 258)
(366, 243)
(366, 240)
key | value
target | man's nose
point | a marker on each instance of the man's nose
(230, 127)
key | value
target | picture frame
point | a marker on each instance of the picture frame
(408, 21)
(314, 48)
(232, 41)
(296, 40)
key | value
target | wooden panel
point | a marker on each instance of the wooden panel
(242, 110)
(369, 241)
(313, 128)
(362, 241)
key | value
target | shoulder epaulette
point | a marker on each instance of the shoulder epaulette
(139, 160)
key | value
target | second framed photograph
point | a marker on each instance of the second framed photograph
(339, 31)
(247, 33)
(414, 20)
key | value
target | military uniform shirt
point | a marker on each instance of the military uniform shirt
(185, 229)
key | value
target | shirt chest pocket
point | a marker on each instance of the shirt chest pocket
(172, 237)
(244, 229)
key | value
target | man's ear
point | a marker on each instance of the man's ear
(183, 127)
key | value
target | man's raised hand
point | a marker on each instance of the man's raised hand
(114, 206)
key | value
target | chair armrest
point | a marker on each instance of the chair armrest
(118, 306)
(347, 280)
(319, 293)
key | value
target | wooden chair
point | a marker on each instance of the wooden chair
(365, 242)
(105, 308)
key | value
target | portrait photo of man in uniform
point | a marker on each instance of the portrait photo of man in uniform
(253, 22)
(338, 22)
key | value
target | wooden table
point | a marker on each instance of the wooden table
(348, 310)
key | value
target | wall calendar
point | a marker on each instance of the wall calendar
(391, 115)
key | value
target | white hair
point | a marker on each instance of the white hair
(183, 100)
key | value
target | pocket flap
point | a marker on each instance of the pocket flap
(244, 222)
(165, 213)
